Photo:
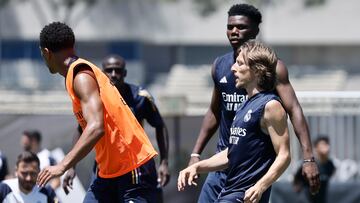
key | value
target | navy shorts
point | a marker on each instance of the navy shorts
(137, 186)
(212, 187)
(238, 197)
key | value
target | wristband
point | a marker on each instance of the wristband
(312, 159)
(195, 155)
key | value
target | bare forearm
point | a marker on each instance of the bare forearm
(162, 138)
(83, 146)
(215, 163)
(302, 131)
(281, 162)
(208, 128)
(293, 108)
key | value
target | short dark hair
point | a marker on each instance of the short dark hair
(321, 138)
(113, 60)
(27, 157)
(57, 36)
(246, 10)
(33, 135)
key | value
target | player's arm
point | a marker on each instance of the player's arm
(274, 123)
(154, 118)
(293, 108)
(215, 163)
(210, 123)
(162, 138)
(86, 89)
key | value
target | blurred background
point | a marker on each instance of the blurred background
(169, 46)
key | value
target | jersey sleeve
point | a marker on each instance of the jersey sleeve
(4, 191)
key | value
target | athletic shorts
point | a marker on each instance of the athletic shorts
(212, 187)
(137, 186)
(238, 197)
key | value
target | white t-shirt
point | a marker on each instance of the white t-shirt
(45, 159)
(10, 192)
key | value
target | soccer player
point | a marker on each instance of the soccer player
(243, 25)
(258, 151)
(31, 141)
(142, 105)
(108, 124)
(22, 188)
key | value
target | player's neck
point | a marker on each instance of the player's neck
(69, 57)
(236, 51)
(252, 92)
(252, 89)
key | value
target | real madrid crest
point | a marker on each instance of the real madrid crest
(247, 116)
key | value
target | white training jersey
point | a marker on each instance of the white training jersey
(45, 158)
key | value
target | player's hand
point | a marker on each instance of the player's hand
(163, 173)
(193, 160)
(68, 180)
(48, 173)
(253, 194)
(311, 172)
(187, 176)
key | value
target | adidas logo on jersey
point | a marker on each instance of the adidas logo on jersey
(223, 80)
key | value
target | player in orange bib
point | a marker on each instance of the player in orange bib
(108, 124)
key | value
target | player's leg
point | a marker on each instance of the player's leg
(144, 186)
(100, 191)
(212, 187)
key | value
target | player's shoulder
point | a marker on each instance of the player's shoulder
(274, 110)
(140, 91)
(83, 68)
(281, 68)
(146, 94)
(9, 186)
(273, 103)
(12, 183)
(221, 64)
(225, 57)
(133, 87)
